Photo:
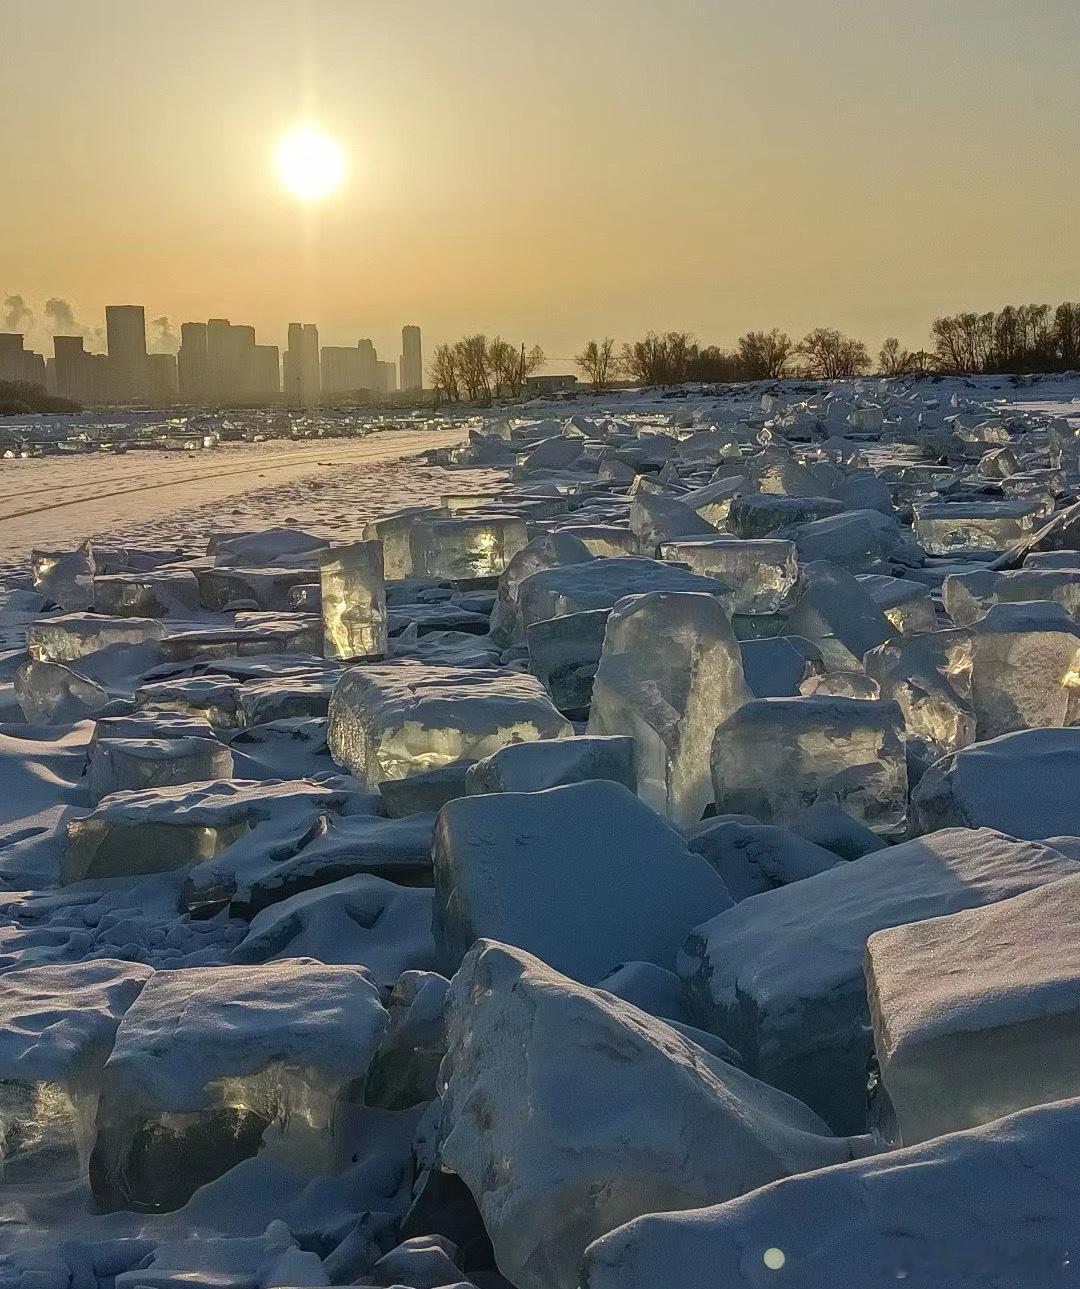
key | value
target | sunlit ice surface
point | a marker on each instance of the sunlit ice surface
(310, 163)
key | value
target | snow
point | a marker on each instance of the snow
(994, 1207)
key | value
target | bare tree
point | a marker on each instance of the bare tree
(474, 373)
(765, 355)
(504, 365)
(894, 359)
(597, 362)
(658, 360)
(443, 374)
(830, 355)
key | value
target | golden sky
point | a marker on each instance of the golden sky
(549, 170)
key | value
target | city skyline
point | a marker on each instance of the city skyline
(216, 362)
(586, 171)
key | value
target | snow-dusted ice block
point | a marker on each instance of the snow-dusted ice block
(929, 676)
(1026, 784)
(564, 653)
(670, 673)
(907, 604)
(74, 635)
(466, 547)
(353, 601)
(774, 757)
(269, 588)
(132, 764)
(601, 583)
(365, 920)
(977, 1015)
(65, 578)
(762, 514)
(968, 596)
(549, 550)
(994, 1208)
(942, 528)
(161, 593)
(1025, 670)
(216, 1064)
(391, 721)
(656, 519)
(834, 610)
(569, 1112)
(553, 763)
(592, 878)
(780, 976)
(160, 829)
(762, 572)
(57, 1025)
(48, 693)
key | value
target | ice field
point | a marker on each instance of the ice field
(634, 844)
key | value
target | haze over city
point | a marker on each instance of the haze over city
(545, 172)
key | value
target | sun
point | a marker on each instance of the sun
(310, 163)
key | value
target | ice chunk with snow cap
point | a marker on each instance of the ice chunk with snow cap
(74, 635)
(943, 528)
(837, 613)
(549, 550)
(390, 721)
(132, 764)
(761, 571)
(774, 757)
(670, 672)
(464, 548)
(977, 1015)
(552, 763)
(49, 693)
(593, 878)
(568, 1112)
(968, 596)
(780, 976)
(929, 676)
(65, 578)
(57, 1026)
(213, 1065)
(1025, 667)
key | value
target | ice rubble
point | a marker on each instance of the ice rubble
(803, 613)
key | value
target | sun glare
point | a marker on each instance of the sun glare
(310, 164)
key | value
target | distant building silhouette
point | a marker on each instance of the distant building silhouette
(125, 329)
(18, 362)
(387, 377)
(412, 360)
(73, 370)
(161, 378)
(267, 373)
(342, 369)
(369, 366)
(192, 362)
(301, 366)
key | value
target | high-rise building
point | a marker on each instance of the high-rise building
(18, 362)
(193, 369)
(125, 327)
(387, 379)
(301, 365)
(341, 369)
(412, 360)
(72, 369)
(161, 378)
(218, 349)
(369, 366)
(267, 373)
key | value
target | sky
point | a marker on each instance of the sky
(548, 171)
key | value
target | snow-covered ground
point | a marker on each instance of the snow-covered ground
(336, 947)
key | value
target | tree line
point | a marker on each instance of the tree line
(480, 370)
(1018, 339)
